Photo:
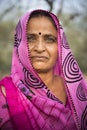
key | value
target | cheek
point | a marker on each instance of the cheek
(30, 49)
(30, 46)
(54, 51)
(54, 54)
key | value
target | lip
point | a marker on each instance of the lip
(39, 58)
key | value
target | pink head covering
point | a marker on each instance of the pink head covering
(30, 86)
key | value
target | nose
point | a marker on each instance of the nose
(40, 46)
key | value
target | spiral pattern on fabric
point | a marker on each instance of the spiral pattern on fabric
(71, 70)
(80, 93)
(31, 80)
(51, 96)
(84, 120)
(18, 35)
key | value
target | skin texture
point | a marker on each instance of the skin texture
(42, 39)
(42, 44)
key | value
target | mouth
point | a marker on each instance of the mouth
(39, 58)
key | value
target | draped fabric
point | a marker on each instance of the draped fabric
(31, 105)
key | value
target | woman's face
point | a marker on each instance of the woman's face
(42, 39)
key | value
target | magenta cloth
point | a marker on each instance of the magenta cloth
(31, 105)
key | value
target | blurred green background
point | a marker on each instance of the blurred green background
(72, 14)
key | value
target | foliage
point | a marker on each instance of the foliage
(6, 45)
(74, 22)
(78, 40)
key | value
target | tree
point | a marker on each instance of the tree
(10, 5)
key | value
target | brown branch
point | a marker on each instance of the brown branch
(10, 8)
(50, 3)
(6, 11)
(61, 8)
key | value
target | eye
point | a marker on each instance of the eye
(50, 39)
(31, 38)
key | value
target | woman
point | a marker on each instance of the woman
(46, 89)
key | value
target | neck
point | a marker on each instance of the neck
(47, 78)
(55, 84)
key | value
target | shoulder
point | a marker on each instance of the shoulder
(4, 115)
(5, 79)
(3, 102)
(3, 83)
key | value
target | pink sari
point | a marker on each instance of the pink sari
(31, 106)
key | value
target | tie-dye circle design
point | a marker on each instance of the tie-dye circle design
(84, 120)
(80, 93)
(71, 70)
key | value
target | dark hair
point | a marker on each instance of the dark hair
(42, 13)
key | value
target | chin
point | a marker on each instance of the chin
(42, 67)
(40, 70)
(39, 66)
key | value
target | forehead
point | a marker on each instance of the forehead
(43, 15)
(41, 24)
(40, 21)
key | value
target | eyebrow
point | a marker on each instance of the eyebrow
(31, 34)
(49, 35)
(46, 35)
